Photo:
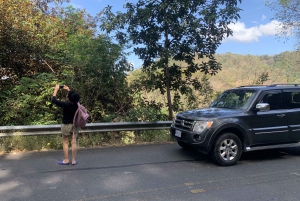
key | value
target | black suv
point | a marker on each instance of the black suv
(242, 119)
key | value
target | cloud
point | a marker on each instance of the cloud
(263, 18)
(246, 35)
(270, 29)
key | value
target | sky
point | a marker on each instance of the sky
(254, 33)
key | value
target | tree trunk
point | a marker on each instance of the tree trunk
(167, 73)
(168, 93)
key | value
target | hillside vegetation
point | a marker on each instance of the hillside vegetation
(240, 70)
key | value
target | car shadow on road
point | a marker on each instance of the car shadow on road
(261, 155)
(194, 154)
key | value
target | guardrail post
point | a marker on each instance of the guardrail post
(3, 147)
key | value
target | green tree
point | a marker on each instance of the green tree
(26, 35)
(287, 13)
(165, 31)
(99, 70)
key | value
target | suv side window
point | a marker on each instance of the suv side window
(292, 99)
(274, 99)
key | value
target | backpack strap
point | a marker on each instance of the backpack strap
(76, 113)
(73, 126)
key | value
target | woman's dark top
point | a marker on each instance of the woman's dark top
(69, 110)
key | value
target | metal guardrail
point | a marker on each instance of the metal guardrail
(6, 131)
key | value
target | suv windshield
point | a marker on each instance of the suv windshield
(234, 99)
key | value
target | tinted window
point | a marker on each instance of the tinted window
(292, 99)
(274, 99)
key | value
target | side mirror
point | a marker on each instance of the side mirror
(262, 107)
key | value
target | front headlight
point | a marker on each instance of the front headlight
(199, 126)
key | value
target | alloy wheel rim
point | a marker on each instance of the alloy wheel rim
(228, 149)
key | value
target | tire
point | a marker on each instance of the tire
(227, 149)
(182, 144)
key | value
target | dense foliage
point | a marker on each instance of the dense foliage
(27, 35)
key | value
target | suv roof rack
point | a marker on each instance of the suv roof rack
(275, 85)
(252, 86)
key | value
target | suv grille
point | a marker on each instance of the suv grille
(184, 123)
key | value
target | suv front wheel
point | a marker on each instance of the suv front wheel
(227, 149)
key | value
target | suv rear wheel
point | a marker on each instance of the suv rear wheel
(227, 149)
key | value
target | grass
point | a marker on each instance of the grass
(85, 140)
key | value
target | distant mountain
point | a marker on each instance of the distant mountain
(238, 70)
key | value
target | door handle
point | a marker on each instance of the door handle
(280, 115)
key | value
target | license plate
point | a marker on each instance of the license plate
(178, 133)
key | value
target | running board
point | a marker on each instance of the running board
(272, 146)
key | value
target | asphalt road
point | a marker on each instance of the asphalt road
(149, 172)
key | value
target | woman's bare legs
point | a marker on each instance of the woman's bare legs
(74, 148)
(65, 141)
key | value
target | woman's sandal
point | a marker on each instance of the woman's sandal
(62, 163)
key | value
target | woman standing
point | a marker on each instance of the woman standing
(69, 108)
